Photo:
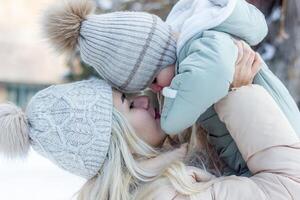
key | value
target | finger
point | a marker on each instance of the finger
(246, 66)
(243, 69)
(236, 75)
(245, 74)
(246, 54)
(250, 61)
(240, 51)
(256, 65)
(247, 49)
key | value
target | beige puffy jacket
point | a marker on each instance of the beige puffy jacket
(268, 144)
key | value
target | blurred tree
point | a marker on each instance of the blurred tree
(287, 59)
(78, 70)
(281, 48)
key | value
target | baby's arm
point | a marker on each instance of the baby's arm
(204, 77)
(247, 66)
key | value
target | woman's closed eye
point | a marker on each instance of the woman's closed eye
(123, 98)
(131, 105)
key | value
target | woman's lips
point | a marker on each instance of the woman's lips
(154, 112)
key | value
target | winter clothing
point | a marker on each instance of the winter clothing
(205, 68)
(267, 142)
(219, 136)
(70, 124)
(127, 49)
(191, 17)
(206, 61)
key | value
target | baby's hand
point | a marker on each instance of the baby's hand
(247, 66)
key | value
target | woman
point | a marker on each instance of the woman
(135, 50)
(94, 132)
(266, 141)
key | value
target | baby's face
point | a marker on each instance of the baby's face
(163, 79)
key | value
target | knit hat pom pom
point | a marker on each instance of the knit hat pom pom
(61, 23)
(14, 138)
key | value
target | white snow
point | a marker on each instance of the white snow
(36, 178)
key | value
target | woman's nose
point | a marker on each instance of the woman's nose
(141, 102)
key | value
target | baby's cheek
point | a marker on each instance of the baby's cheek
(166, 81)
(165, 77)
(143, 121)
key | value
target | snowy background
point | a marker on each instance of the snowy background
(36, 179)
(28, 65)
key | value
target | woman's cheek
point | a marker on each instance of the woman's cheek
(141, 121)
(146, 122)
(147, 129)
(165, 82)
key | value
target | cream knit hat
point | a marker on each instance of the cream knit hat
(70, 124)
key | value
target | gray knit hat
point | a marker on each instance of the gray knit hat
(70, 124)
(127, 49)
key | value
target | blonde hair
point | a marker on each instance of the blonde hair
(176, 177)
(200, 154)
(120, 172)
(121, 175)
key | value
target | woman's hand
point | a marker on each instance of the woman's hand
(247, 66)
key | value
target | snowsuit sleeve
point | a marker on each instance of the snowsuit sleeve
(203, 78)
(245, 22)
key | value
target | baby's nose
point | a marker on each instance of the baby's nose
(141, 102)
(155, 88)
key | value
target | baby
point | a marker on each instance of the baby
(192, 56)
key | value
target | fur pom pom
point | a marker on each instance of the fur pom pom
(14, 138)
(61, 23)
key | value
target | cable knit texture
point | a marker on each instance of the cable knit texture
(70, 124)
